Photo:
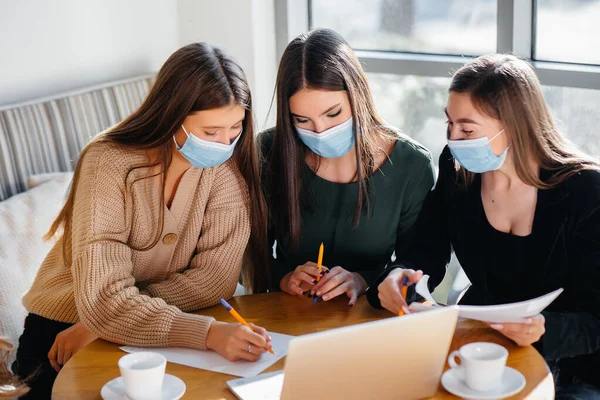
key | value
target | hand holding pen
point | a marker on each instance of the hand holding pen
(393, 289)
(237, 341)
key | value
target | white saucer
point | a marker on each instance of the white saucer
(512, 383)
(172, 389)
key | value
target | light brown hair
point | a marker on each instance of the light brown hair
(507, 88)
(319, 60)
(196, 77)
(10, 386)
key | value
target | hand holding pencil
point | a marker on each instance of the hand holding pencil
(393, 289)
(237, 341)
(304, 277)
(241, 320)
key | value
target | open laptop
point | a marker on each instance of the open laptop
(393, 358)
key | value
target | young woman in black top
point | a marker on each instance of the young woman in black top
(520, 206)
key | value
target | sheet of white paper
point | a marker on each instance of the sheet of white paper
(501, 313)
(512, 312)
(212, 361)
(422, 289)
(262, 387)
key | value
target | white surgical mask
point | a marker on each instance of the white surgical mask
(203, 153)
(476, 155)
(331, 143)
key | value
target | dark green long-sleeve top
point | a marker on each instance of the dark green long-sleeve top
(398, 190)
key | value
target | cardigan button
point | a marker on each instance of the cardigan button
(170, 238)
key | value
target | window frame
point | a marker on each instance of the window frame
(516, 34)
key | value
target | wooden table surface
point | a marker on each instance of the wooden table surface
(85, 374)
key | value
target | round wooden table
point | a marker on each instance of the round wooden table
(85, 374)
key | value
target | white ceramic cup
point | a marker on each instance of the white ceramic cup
(143, 374)
(481, 365)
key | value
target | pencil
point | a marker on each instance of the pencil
(239, 318)
(320, 266)
(403, 290)
(320, 261)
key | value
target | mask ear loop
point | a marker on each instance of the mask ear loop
(175, 141)
(495, 136)
(188, 135)
(498, 134)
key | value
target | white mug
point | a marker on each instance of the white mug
(143, 374)
(481, 365)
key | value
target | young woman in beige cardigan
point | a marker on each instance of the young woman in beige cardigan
(161, 210)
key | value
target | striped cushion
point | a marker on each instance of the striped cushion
(47, 136)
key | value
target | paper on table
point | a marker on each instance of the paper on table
(501, 313)
(262, 387)
(212, 361)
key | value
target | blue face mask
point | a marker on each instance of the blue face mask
(331, 143)
(475, 155)
(204, 154)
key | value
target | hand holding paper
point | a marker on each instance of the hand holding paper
(524, 333)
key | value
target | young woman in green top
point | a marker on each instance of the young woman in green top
(335, 173)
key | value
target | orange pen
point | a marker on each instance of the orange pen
(403, 290)
(239, 318)
(320, 266)
(320, 261)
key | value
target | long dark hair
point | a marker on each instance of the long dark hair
(196, 77)
(321, 60)
(506, 88)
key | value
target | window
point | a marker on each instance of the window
(568, 31)
(410, 48)
(415, 104)
(420, 26)
(575, 112)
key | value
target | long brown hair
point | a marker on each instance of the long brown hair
(10, 387)
(320, 60)
(196, 77)
(507, 88)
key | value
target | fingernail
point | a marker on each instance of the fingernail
(325, 297)
(320, 300)
(406, 310)
(312, 293)
(315, 281)
(496, 326)
(318, 293)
